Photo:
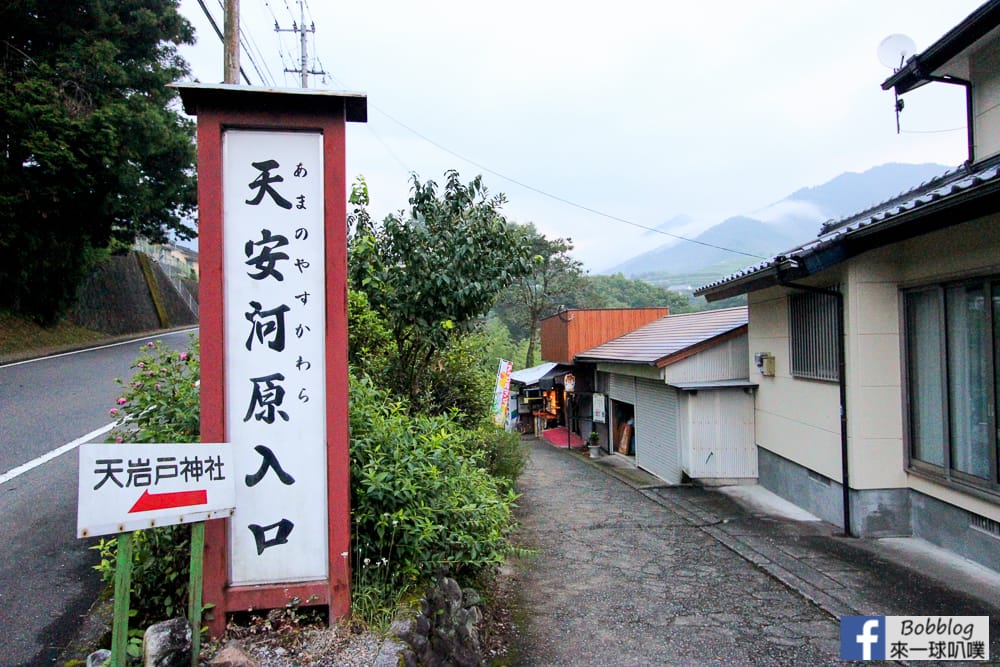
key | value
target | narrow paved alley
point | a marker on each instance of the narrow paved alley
(639, 574)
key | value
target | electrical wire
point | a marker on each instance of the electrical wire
(954, 129)
(557, 198)
(245, 47)
(260, 54)
(478, 165)
(222, 38)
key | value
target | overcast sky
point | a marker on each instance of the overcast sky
(641, 110)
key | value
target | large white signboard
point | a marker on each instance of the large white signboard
(138, 486)
(274, 350)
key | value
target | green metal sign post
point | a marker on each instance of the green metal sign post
(194, 588)
(107, 505)
(123, 587)
(123, 590)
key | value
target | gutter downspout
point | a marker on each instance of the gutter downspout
(842, 382)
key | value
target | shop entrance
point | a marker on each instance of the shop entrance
(623, 427)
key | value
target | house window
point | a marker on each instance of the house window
(951, 338)
(813, 334)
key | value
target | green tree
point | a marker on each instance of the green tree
(617, 291)
(554, 279)
(92, 151)
(430, 272)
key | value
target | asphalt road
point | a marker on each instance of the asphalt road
(46, 576)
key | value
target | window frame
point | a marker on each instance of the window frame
(823, 332)
(946, 473)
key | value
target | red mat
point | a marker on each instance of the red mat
(557, 437)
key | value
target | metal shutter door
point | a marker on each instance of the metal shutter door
(622, 388)
(657, 446)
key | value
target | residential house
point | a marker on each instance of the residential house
(678, 396)
(878, 342)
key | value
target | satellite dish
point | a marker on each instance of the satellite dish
(894, 50)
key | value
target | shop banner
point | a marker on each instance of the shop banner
(501, 393)
(600, 414)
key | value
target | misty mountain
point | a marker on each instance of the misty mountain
(779, 226)
(851, 192)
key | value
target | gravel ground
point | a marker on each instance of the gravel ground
(276, 642)
(280, 641)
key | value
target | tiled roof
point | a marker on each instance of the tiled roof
(955, 184)
(656, 342)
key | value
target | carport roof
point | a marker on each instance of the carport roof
(670, 338)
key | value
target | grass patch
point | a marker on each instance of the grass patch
(22, 337)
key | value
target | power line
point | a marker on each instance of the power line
(249, 54)
(243, 37)
(478, 165)
(954, 129)
(260, 54)
(557, 197)
(218, 32)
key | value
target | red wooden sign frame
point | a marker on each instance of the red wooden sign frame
(220, 108)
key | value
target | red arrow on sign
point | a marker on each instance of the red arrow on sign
(162, 501)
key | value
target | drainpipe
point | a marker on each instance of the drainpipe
(842, 382)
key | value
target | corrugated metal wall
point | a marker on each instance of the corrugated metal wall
(721, 435)
(621, 388)
(727, 361)
(657, 433)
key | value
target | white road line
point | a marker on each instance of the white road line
(101, 347)
(44, 458)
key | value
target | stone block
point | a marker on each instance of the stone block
(167, 644)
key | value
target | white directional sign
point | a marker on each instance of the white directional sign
(124, 487)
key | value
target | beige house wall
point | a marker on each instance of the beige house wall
(798, 419)
(874, 394)
(955, 497)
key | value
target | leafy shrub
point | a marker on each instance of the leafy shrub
(456, 383)
(422, 496)
(158, 404)
(428, 493)
(504, 453)
(369, 339)
(161, 402)
(160, 567)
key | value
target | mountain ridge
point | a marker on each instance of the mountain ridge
(781, 225)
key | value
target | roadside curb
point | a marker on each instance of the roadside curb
(17, 357)
(95, 625)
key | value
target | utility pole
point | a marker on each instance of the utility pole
(231, 42)
(302, 31)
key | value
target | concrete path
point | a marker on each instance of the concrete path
(631, 572)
